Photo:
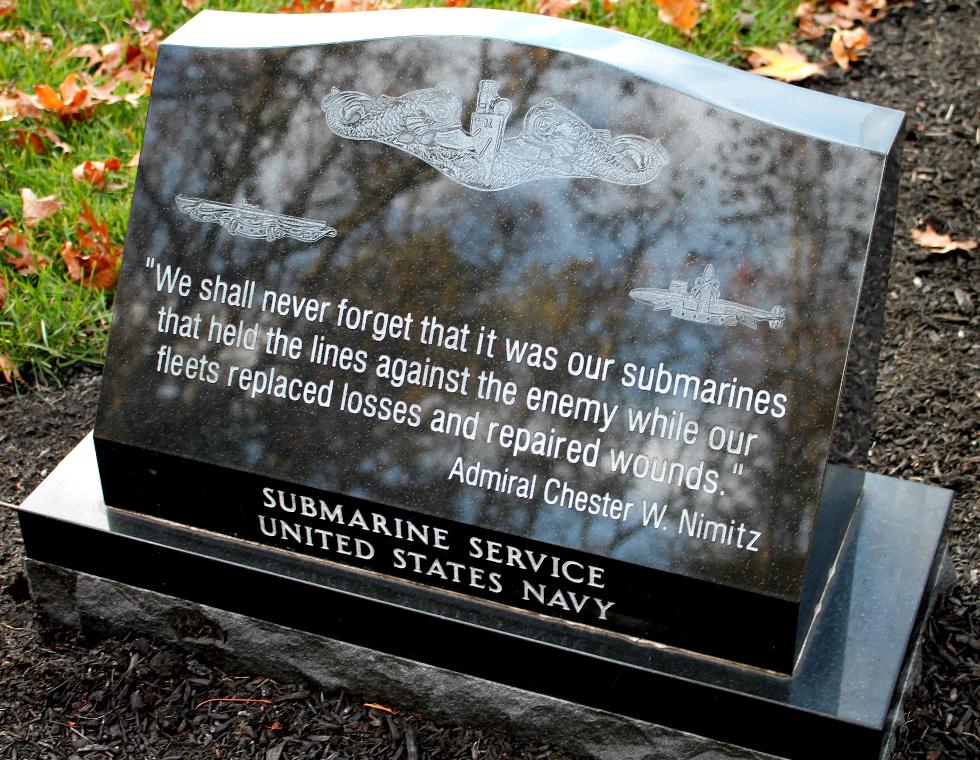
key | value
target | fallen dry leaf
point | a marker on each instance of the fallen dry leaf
(25, 262)
(139, 23)
(555, 7)
(376, 706)
(929, 238)
(7, 8)
(95, 261)
(36, 209)
(94, 172)
(846, 44)
(3, 291)
(70, 101)
(26, 37)
(25, 138)
(786, 64)
(313, 6)
(34, 140)
(811, 25)
(680, 14)
(846, 12)
(456, 3)
(344, 6)
(121, 61)
(8, 369)
(18, 105)
(192, 5)
(134, 161)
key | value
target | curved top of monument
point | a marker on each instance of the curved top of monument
(809, 113)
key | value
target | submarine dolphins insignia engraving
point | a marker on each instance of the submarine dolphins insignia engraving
(703, 304)
(554, 142)
(246, 220)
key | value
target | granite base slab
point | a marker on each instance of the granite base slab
(101, 607)
(460, 660)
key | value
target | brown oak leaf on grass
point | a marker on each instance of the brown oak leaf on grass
(125, 60)
(345, 6)
(95, 261)
(26, 37)
(339, 6)
(313, 6)
(3, 290)
(555, 7)
(69, 101)
(78, 95)
(680, 14)
(937, 243)
(15, 104)
(94, 173)
(786, 64)
(25, 262)
(36, 209)
(7, 8)
(138, 23)
(33, 139)
(192, 5)
(846, 44)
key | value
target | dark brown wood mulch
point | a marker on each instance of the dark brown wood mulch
(61, 697)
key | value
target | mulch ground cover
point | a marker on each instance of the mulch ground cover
(62, 697)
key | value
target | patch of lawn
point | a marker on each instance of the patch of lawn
(47, 321)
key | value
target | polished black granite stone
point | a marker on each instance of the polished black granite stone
(685, 242)
(842, 694)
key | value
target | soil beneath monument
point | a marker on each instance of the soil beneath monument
(62, 697)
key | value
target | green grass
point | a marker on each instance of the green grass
(49, 322)
(64, 324)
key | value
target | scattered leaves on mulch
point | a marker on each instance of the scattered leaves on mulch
(844, 20)
(937, 243)
(125, 697)
(847, 44)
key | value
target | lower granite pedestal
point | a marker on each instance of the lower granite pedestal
(458, 659)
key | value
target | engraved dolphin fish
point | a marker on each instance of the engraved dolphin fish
(554, 142)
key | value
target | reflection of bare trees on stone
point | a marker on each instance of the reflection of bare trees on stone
(549, 262)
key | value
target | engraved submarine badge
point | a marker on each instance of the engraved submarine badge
(554, 142)
(703, 304)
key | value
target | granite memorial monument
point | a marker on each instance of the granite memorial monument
(530, 334)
